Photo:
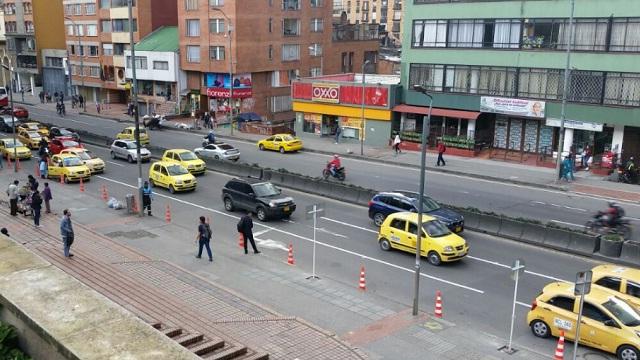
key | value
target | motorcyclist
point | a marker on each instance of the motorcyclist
(614, 214)
(211, 137)
(630, 169)
(334, 164)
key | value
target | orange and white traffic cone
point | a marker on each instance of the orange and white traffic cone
(81, 185)
(167, 214)
(18, 166)
(290, 260)
(37, 170)
(105, 195)
(240, 240)
(559, 355)
(61, 179)
(438, 310)
(362, 284)
(134, 206)
(8, 161)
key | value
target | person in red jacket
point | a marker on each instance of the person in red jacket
(441, 150)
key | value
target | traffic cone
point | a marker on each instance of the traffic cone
(81, 185)
(438, 311)
(290, 260)
(560, 348)
(61, 179)
(18, 166)
(105, 196)
(37, 170)
(240, 240)
(362, 285)
(167, 214)
(134, 206)
(8, 161)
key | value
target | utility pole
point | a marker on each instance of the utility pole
(134, 89)
(363, 126)
(13, 118)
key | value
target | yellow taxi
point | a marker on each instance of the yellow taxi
(174, 177)
(187, 159)
(439, 244)
(10, 149)
(625, 280)
(128, 134)
(35, 126)
(280, 142)
(69, 166)
(30, 138)
(609, 323)
(94, 163)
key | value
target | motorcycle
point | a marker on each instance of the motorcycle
(600, 225)
(626, 176)
(340, 173)
(153, 122)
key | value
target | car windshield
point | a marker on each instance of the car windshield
(34, 135)
(265, 189)
(623, 311)
(131, 145)
(435, 228)
(176, 170)
(187, 155)
(226, 147)
(89, 154)
(83, 155)
(72, 161)
(69, 144)
(288, 138)
(65, 132)
(10, 144)
(428, 204)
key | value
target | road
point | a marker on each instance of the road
(564, 208)
(477, 291)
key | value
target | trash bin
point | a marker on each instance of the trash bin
(130, 203)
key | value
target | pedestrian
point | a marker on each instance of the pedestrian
(81, 101)
(41, 96)
(214, 120)
(74, 101)
(48, 97)
(44, 167)
(441, 150)
(338, 132)
(36, 206)
(55, 96)
(203, 237)
(66, 230)
(4, 232)
(33, 183)
(98, 107)
(61, 97)
(567, 169)
(245, 227)
(12, 192)
(47, 197)
(147, 196)
(396, 144)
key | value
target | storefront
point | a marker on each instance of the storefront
(219, 91)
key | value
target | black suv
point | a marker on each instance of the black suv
(257, 196)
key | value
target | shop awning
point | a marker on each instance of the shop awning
(404, 108)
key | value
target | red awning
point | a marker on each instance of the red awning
(471, 115)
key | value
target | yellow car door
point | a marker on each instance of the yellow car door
(164, 176)
(598, 329)
(399, 236)
(561, 314)
(277, 142)
(55, 168)
(425, 246)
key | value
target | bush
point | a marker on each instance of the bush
(9, 344)
(613, 237)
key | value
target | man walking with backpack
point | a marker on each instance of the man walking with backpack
(441, 149)
(203, 237)
(245, 227)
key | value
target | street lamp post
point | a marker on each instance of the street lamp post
(423, 150)
(230, 68)
(362, 122)
(13, 118)
(80, 54)
(134, 91)
(314, 48)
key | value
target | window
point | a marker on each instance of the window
(624, 35)
(429, 33)
(193, 28)
(94, 71)
(316, 3)
(290, 52)
(105, 4)
(216, 2)
(53, 61)
(610, 283)
(70, 30)
(270, 55)
(68, 9)
(562, 302)
(27, 7)
(191, 4)
(465, 33)
(315, 71)
(92, 30)
(93, 50)
(398, 224)
(589, 34)
(586, 86)
(160, 65)
(10, 9)
(281, 103)
(216, 26)
(193, 53)
(633, 289)
(290, 27)
(315, 50)
(592, 312)
(430, 76)
(541, 83)
(107, 49)
(141, 62)
(118, 49)
(28, 26)
(10, 26)
(122, 25)
(498, 81)
(90, 9)
(291, 4)
(317, 25)
(77, 9)
(216, 52)
(105, 26)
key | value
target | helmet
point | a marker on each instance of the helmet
(612, 204)
(210, 131)
(336, 156)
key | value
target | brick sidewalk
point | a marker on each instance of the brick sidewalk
(158, 291)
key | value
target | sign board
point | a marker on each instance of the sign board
(583, 283)
(517, 268)
(575, 124)
(329, 93)
(508, 106)
(562, 324)
(239, 93)
(309, 212)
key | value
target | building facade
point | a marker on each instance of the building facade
(5, 76)
(387, 13)
(97, 35)
(496, 72)
(31, 27)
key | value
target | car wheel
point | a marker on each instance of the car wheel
(434, 258)
(378, 219)
(172, 189)
(228, 204)
(216, 157)
(261, 213)
(385, 244)
(540, 329)
(261, 147)
(130, 158)
(65, 179)
(281, 150)
(627, 352)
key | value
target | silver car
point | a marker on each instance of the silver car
(126, 149)
(218, 151)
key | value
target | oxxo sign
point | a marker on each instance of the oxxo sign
(325, 93)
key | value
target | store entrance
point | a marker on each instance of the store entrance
(329, 125)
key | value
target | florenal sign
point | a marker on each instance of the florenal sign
(329, 93)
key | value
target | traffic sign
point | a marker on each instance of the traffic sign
(315, 209)
(583, 283)
(517, 268)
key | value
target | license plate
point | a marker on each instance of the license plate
(285, 209)
(458, 228)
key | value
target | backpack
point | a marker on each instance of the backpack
(208, 230)
(239, 225)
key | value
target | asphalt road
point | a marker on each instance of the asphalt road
(477, 291)
(564, 208)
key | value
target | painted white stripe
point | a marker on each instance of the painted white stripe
(539, 202)
(567, 223)
(114, 163)
(350, 225)
(575, 208)
(528, 306)
(261, 232)
(509, 267)
(360, 256)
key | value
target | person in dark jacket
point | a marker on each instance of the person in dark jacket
(66, 231)
(203, 238)
(33, 183)
(36, 206)
(441, 149)
(47, 197)
(245, 227)
(147, 196)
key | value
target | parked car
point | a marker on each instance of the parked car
(174, 177)
(128, 133)
(35, 126)
(258, 196)
(94, 163)
(185, 158)
(385, 203)
(58, 144)
(280, 142)
(6, 125)
(11, 149)
(4, 97)
(62, 132)
(126, 149)
(439, 244)
(69, 166)
(18, 111)
(623, 279)
(218, 151)
(30, 138)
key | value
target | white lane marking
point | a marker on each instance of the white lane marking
(114, 163)
(539, 202)
(350, 225)
(78, 121)
(632, 218)
(523, 304)
(261, 232)
(555, 205)
(353, 253)
(567, 223)
(509, 267)
(289, 220)
(575, 208)
(464, 192)
(271, 244)
(331, 233)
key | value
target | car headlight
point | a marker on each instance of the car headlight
(191, 167)
(272, 204)
(178, 182)
(448, 249)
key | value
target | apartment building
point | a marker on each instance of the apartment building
(387, 13)
(496, 72)
(4, 74)
(32, 27)
(97, 35)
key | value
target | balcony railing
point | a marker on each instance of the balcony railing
(356, 32)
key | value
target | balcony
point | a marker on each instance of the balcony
(356, 32)
(291, 27)
(291, 4)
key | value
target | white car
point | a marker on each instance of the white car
(218, 151)
(126, 149)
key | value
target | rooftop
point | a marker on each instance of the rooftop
(163, 39)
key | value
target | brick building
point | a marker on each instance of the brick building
(387, 13)
(98, 31)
